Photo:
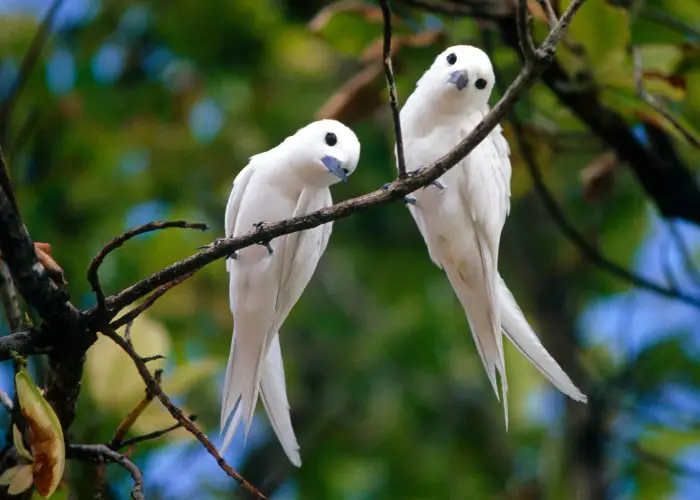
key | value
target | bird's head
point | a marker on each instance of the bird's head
(460, 77)
(328, 150)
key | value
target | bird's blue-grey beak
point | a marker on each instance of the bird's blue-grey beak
(335, 167)
(459, 78)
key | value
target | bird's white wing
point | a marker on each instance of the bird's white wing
(300, 255)
(303, 250)
(484, 186)
(234, 202)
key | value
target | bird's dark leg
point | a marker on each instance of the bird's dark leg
(266, 244)
(437, 183)
(218, 241)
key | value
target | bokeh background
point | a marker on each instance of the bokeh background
(146, 110)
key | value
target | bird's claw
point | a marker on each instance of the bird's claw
(385, 187)
(213, 244)
(258, 226)
(437, 184)
(409, 200)
(233, 255)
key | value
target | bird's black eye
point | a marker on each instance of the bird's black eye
(480, 84)
(451, 59)
(331, 139)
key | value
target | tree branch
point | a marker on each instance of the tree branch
(117, 242)
(98, 453)
(391, 84)
(133, 415)
(154, 435)
(395, 190)
(177, 414)
(138, 310)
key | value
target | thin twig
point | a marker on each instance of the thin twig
(177, 414)
(688, 263)
(123, 238)
(25, 68)
(549, 11)
(396, 190)
(527, 46)
(133, 415)
(391, 84)
(669, 21)
(97, 453)
(655, 103)
(154, 435)
(138, 310)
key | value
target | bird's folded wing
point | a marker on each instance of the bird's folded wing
(234, 202)
(302, 253)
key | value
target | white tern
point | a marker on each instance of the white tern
(267, 280)
(462, 214)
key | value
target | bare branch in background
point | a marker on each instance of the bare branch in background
(100, 453)
(391, 84)
(146, 304)
(153, 385)
(688, 262)
(92, 276)
(134, 414)
(549, 11)
(155, 434)
(655, 103)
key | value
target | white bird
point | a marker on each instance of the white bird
(462, 215)
(267, 280)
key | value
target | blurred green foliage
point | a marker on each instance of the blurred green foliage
(148, 110)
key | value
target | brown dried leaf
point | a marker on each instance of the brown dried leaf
(598, 176)
(52, 268)
(358, 98)
(43, 255)
(44, 247)
(45, 435)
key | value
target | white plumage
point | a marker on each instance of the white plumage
(462, 216)
(265, 282)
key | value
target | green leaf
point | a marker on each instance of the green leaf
(603, 32)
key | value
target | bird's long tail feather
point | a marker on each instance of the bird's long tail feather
(243, 374)
(519, 332)
(274, 396)
(487, 336)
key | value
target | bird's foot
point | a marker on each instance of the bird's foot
(213, 244)
(410, 200)
(385, 187)
(437, 183)
(258, 226)
(217, 242)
